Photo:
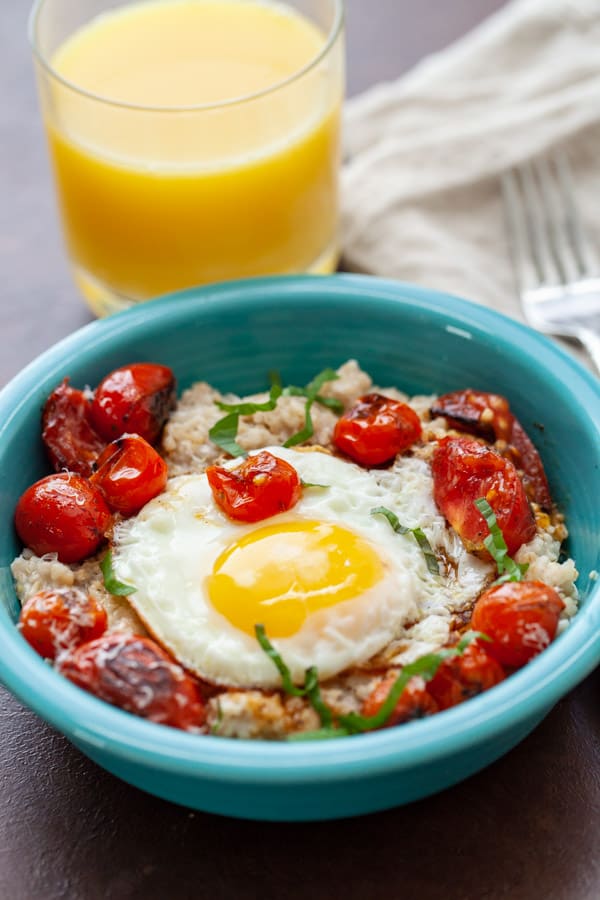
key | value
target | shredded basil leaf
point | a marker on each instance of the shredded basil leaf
(248, 409)
(311, 392)
(216, 725)
(418, 534)
(224, 433)
(313, 693)
(111, 582)
(311, 689)
(508, 569)
(468, 638)
(313, 484)
(288, 685)
(330, 403)
(319, 734)
(353, 723)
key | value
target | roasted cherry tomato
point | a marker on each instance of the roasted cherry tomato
(137, 675)
(376, 429)
(489, 416)
(464, 676)
(464, 470)
(59, 620)
(414, 702)
(262, 486)
(486, 415)
(70, 440)
(526, 458)
(520, 617)
(62, 514)
(129, 472)
(134, 399)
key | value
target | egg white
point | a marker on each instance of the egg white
(169, 549)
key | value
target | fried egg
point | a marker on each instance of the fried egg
(331, 583)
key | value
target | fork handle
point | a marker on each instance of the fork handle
(591, 341)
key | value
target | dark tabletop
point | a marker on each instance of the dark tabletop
(528, 827)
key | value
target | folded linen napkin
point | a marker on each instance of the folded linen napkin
(421, 194)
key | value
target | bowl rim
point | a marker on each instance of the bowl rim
(528, 693)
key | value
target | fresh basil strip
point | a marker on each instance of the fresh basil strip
(353, 723)
(319, 734)
(311, 392)
(224, 433)
(508, 569)
(418, 534)
(314, 484)
(216, 725)
(330, 403)
(313, 693)
(111, 582)
(311, 689)
(468, 638)
(288, 685)
(248, 409)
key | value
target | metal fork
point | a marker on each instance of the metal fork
(558, 274)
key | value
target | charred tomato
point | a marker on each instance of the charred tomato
(134, 399)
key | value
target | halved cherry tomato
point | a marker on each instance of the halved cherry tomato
(134, 399)
(129, 472)
(376, 429)
(464, 470)
(70, 440)
(62, 514)
(59, 620)
(489, 416)
(520, 617)
(414, 703)
(262, 486)
(464, 676)
(137, 675)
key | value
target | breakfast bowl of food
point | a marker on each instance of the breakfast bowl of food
(299, 548)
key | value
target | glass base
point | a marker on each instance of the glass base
(103, 300)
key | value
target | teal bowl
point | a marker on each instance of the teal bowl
(232, 335)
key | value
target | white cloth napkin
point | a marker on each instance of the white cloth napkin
(421, 198)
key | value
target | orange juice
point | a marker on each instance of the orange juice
(192, 150)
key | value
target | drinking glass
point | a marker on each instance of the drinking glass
(156, 198)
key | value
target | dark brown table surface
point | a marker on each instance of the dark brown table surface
(527, 827)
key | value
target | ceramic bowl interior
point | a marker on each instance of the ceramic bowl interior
(232, 336)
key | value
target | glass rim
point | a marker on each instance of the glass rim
(332, 36)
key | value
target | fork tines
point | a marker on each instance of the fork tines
(548, 241)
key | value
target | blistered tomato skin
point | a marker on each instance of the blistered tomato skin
(130, 473)
(485, 415)
(464, 470)
(463, 676)
(261, 486)
(62, 514)
(71, 442)
(134, 399)
(135, 674)
(521, 618)
(376, 429)
(414, 702)
(489, 416)
(54, 622)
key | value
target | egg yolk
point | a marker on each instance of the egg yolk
(280, 574)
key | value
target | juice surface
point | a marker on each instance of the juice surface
(155, 200)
